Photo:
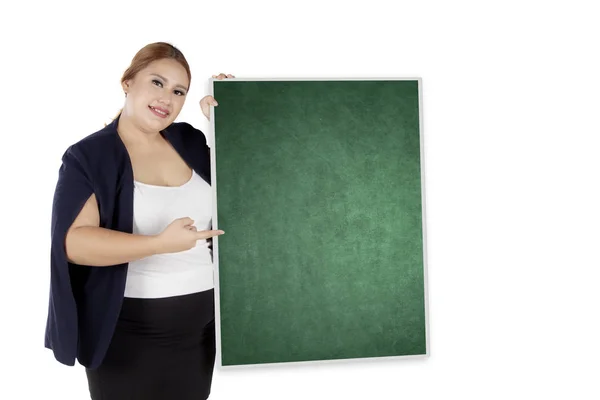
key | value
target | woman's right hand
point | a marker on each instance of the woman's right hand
(182, 235)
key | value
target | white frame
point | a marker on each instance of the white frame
(215, 223)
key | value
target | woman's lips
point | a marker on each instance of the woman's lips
(159, 112)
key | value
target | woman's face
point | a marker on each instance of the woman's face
(156, 95)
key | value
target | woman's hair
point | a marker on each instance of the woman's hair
(150, 53)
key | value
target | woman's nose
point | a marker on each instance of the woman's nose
(166, 98)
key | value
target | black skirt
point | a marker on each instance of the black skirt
(162, 349)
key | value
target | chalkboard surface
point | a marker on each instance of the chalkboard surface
(318, 188)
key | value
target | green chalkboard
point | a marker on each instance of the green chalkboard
(318, 188)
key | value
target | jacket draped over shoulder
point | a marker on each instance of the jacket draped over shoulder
(85, 301)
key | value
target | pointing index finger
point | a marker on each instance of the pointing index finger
(210, 233)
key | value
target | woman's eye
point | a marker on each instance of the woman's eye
(159, 84)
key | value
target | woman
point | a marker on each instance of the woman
(131, 264)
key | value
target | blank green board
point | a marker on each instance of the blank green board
(318, 187)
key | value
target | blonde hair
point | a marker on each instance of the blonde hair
(150, 53)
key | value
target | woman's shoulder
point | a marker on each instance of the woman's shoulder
(183, 128)
(97, 155)
(95, 146)
(187, 133)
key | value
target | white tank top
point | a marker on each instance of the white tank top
(173, 274)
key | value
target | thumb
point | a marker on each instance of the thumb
(209, 100)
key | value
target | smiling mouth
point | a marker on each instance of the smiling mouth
(158, 112)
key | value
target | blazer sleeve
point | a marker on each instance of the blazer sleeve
(73, 189)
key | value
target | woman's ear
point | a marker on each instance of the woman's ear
(125, 86)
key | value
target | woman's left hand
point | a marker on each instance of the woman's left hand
(208, 101)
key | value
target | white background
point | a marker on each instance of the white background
(512, 158)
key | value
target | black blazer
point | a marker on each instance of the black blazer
(85, 301)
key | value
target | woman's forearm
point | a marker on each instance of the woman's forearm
(99, 247)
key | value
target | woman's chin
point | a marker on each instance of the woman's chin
(157, 124)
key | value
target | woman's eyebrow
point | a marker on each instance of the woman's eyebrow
(166, 80)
